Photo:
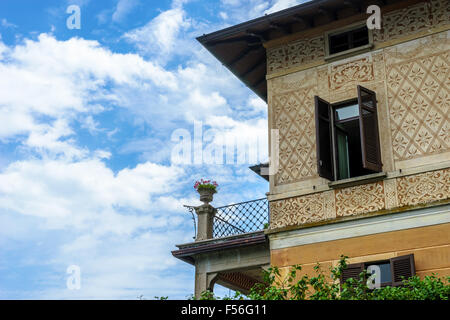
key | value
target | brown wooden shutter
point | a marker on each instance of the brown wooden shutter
(402, 267)
(352, 271)
(323, 139)
(368, 124)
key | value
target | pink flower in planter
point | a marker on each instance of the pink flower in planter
(205, 184)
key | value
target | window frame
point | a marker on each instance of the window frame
(351, 51)
(385, 284)
(334, 121)
(369, 135)
(363, 266)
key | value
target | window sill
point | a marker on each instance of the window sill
(351, 182)
(349, 53)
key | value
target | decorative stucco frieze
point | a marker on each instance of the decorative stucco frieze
(423, 188)
(388, 194)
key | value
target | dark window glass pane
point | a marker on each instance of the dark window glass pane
(347, 112)
(348, 40)
(339, 42)
(385, 270)
(360, 37)
(342, 154)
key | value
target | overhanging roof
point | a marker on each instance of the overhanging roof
(240, 47)
(187, 252)
(257, 169)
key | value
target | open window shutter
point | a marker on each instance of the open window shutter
(402, 267)
(368, 124)
(352, 271)
(323, 139)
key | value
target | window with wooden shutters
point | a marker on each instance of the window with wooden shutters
(323, 138)
(393, 271)
(347, 137)
(402, 268)
(352, 271)
(368, 124)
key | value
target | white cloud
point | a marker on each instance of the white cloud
(77, 191)
(6, 24)
(117, 227)
(244, 10)
(283, 4)
(160, 35)
(59, 79)
(123, 8)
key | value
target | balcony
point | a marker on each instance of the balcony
(230, 246)
(239, 218)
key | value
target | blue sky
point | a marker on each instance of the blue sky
(87, 124)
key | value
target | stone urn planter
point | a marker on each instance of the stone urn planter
(206, 194)
(206, 189)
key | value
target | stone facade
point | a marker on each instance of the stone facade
(412, 82)
(411, 77)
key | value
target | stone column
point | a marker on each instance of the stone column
(205, 218)
(203, 281)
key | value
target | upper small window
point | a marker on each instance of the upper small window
(348, 40)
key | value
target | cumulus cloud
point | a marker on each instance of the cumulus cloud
(123, 8)
(118, 229)
(160, 35)
(78, 191)
(59, 79)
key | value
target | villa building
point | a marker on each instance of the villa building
(362, 117)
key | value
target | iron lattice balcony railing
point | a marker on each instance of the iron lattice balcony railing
(239, 218)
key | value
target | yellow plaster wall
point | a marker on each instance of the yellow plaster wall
(430, 246)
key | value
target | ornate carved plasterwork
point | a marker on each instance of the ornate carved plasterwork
(404, 22)
(360, 199)
(412, 83)
(414, 112)
(299, 210)
(423, 188)
(294, 118)
(296, 53)
(440, 12)
(390, 193)
(387, 194)
(396, 24)
(419, 100)
(356, 71)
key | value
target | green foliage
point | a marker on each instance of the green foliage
(320, 287)
(207, 186)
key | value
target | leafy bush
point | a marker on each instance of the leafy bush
(320, 287)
